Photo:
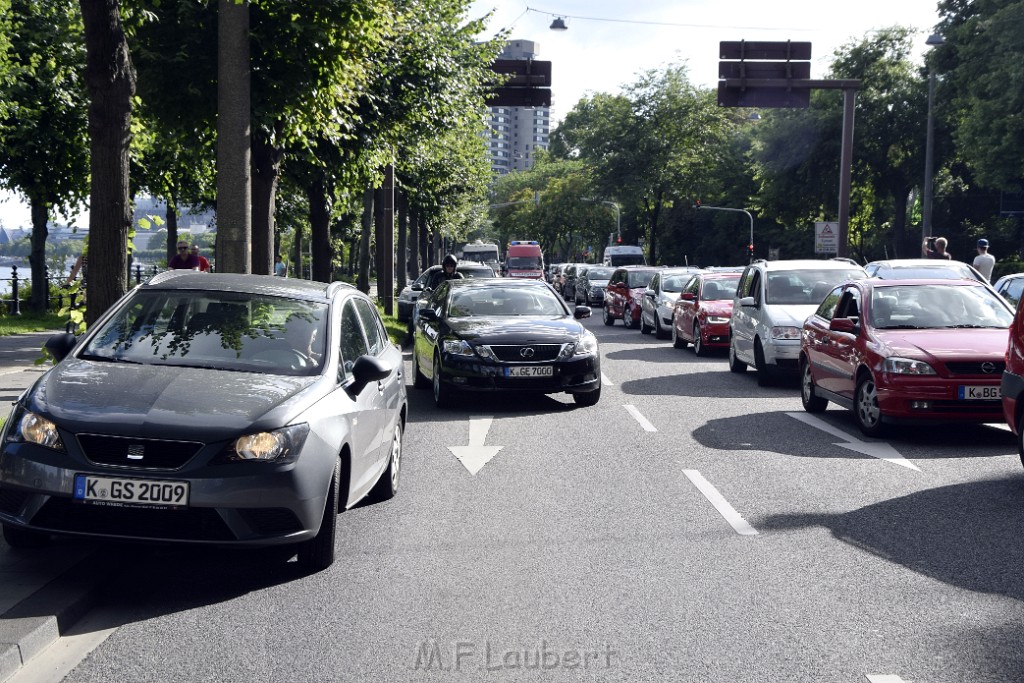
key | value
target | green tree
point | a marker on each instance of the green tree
(44, 144)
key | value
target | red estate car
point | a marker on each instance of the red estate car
(702, 312)
(1012, 386)
(624, 294)
(906, 350)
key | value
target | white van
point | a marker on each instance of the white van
(623, 255)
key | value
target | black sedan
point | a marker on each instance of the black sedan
(504, 335)
(213, 409)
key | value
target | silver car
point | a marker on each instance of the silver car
(210, 409)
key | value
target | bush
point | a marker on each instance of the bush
(1007, 266)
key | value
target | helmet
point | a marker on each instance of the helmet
(450, 260)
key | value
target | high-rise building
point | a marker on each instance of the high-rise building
(518, 132)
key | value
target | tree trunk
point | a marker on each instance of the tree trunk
(110, 78)
(363, 279)
(172, 230)
(37, 256)
(378, 235)
(297, 256)
(266, 163)
(402, 260)
(320, 231)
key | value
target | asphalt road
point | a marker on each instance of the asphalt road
(692, 526)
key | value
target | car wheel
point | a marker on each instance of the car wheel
(644, 327)
(735, 364)
(659, 331)
(677, 341)
(19, 537)
(317, 553)
(764, 378)
(607, 316)
(627, 317)
(387, 485)
(442, 394)
(865, 407)
(812, 403)
(419, 380)
(588, 399)
(698, 344)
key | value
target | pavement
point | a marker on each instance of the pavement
(43, 591)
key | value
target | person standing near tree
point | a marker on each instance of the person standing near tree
(204, 263)
(280, 269)
(984, 261)
(183, 260)
(935, 247)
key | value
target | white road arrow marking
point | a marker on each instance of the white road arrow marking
(476, 454)
(876, 449)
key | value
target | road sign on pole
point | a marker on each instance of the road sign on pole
(826, 238)
(528, 84)
(764, 74)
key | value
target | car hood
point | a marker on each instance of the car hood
(943, 345)
(717, 308)
(511, 330)
(164, 402)
(788, 315)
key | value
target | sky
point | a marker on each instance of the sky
(609, 42)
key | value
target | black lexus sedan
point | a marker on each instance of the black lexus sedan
(209, 408)
(491, 335)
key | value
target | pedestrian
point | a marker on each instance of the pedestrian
(984, 261)
(935, 247)
(183, 260)
(280, 269)
(204, 263)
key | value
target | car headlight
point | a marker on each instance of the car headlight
(907, 366)
(717, 319)
(785, 332)
(27, 427)
(280, 445)
(458, 347)
(586, 346)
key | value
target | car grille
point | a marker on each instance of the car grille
(974, 368)
(152, 454)
(12, 501)
(994, 408)
(190, 524)
(517, 353)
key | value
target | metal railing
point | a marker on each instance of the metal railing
(12, 301)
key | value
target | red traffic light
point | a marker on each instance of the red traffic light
(750, 248)
(619, 239)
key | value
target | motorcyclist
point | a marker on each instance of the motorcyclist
(449, 271)
(449, 268)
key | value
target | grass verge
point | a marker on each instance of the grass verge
(30, 322)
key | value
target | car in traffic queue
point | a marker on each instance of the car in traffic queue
(429, 278)
(659, 300)
(623, 296)
(913, 351)
(209, 408)
(701, 314)
(924, 268)
(590, 285)
(1012, 383)
(569, 273)
(1010, 287)
(504, 336)
(773, 298)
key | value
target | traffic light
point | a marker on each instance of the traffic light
(750, 250)
(696, 203)
(619, 239)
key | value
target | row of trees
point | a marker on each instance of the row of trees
(102, 100)
(662, 144)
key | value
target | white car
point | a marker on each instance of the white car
(772, 301)
(659, 300)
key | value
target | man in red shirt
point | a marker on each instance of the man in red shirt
(204, 264)
(183, 259)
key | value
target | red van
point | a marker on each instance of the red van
(523, 259)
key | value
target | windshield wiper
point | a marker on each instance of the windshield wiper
(108, 359)
(902, 327)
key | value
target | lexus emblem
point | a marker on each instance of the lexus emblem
(527, 352)
(136, 451)
(988, 367)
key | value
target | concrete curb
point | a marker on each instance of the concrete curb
(36, 622)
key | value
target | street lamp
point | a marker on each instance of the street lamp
(926, 204)
(559, 25)
(724, 208)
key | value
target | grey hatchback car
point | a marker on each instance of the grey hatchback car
(213, 409)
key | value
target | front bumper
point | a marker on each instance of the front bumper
(782, 353)
(935, 398)
(238, 503)
(715, 335)
(573, 376)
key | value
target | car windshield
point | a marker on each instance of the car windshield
(476, 271)
(675, 283)
(640, 278)
(490, 302)
(599, 274)
(525, 262)
(626, 259)
(719, 289)
(214, 330)
(807, 287)
(940, 271)
(942, 306)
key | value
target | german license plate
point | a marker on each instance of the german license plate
(115, 491)
(529, 371)
(978, 393)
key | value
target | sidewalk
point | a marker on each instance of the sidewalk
(43, 591)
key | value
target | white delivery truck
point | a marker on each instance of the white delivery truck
(624, 255)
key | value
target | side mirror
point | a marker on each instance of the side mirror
(748, 301)
(427, 314)
(365, 370)
(650, 293)
(60, 345)
(582, 312)
(687, 296)
(848, 325)
(416, 287)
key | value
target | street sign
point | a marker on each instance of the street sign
(764, 69)
(763, 97)
(763, 49)
(524, 72)
(826, 238)
(518, 97)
